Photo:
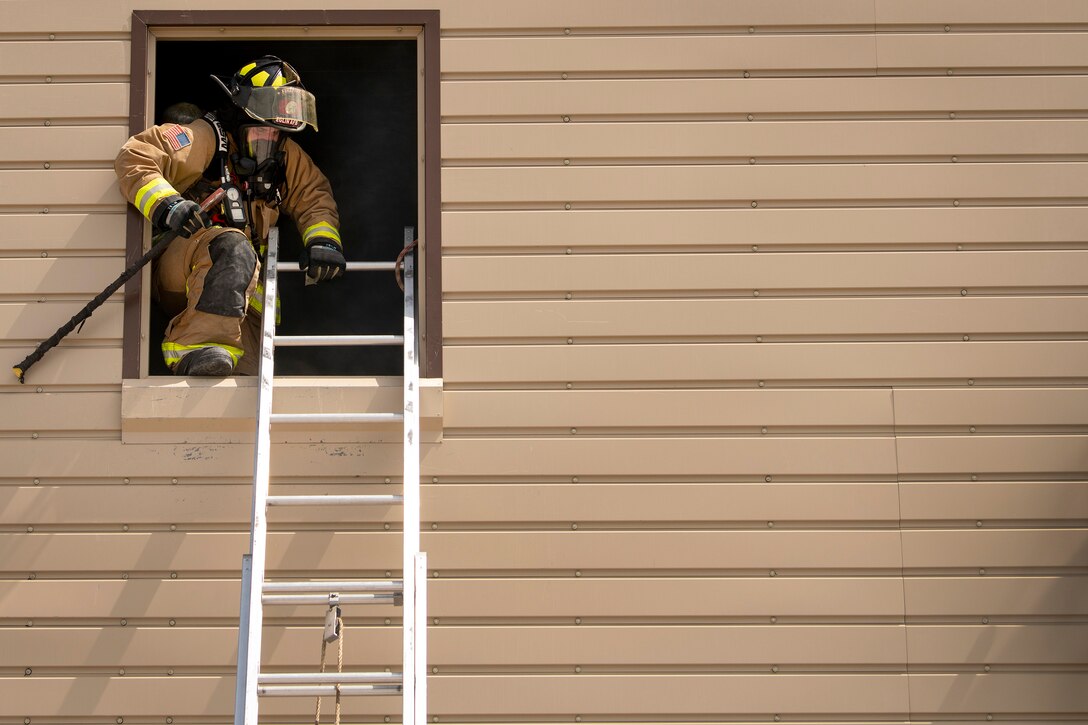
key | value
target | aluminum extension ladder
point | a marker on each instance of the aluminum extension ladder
(410, 591)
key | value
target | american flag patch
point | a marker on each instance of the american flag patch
(177, 137)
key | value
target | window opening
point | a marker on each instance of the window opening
(369, 146)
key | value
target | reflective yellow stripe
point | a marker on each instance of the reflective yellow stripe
(280, 81)
(173, 352)
(258, 79)
(151, 193)
(257, 302)
(247, 69)
(321, 229)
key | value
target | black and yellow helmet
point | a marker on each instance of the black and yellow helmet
(270, 90)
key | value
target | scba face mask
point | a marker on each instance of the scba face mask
(260, 159)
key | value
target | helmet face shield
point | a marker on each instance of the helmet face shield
(261, 143)
(290, 108)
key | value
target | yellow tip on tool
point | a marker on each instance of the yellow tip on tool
(18, 373)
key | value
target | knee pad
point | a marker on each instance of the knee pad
(233, 264)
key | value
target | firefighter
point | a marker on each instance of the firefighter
(208, 278)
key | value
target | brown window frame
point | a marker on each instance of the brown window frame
(143, 24)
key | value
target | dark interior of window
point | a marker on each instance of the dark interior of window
(366, 94)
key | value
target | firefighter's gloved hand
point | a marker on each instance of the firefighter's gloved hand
(322, 260)
(182, 216)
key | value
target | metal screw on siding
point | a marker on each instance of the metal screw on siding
(434, 526)
(48, 123)
(972, 429)
(434, 575)
(38, 389)
(747, 74)
(120, 720)
(32, 576)
(570, 385)
(985, 620)
(387, 718)
(173, 527)
(755, 247)
(173, 575)
(124, 622)
(566, 31)
(169, 721)
(434, 670)
(971, 382)
(387, 621)
(570, 296)
(947, 28)
(761, 430)
(388, 573)
(755, 204)
(385, 526)
(755, 293)
(27, 672)
(52, 36)
(30, 529)
(570, 340)
(578, 573)
(982, 572)
(574, 431)
(955, 159)
(564, 76)
(124, 576)
(989, 717)
(49, 79)
(751, 117)
(978, 524)
(966, 338)
(770, 524)
(124, 527)
(45, 165)
(956, 202)
(774, 620)
(566, 162)
(578, 620)
(33, 435)
(767, 479)
(26, 721)
(566, 119)
(759, 338)
(952, 115)
(774, 668)
(774, 573)
(577, 670)
(986, 668)
(37, 481)
(570, 251)
(121, 672)
(434, 479)
(577, 718)
(173, 480)
(751, 30)
(30, 622)
(761, 383)
(777, 718)
(173, 622)
(436, 620)
(388, 480)
(963, 293)
(574, 526)
(567, 207)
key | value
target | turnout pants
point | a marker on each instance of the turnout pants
(206, 282)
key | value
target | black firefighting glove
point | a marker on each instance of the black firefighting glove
(322, 259)
(181, 215)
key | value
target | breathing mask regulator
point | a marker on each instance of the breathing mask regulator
(268, 101)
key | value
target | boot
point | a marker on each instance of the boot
(207, 361)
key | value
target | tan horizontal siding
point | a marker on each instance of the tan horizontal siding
(40, 101)
(837, 272)
(60, 411)
(678, 184)
(465, 646)
(82, 187)
(983, 50)
(760, 142)
(496, 320)
(68, 144)
(864, 363)
(935, 12)
(65, 59)
(111, 503)
(481, 599)
(1006, 644)
(556, 695)
(1008, 548)
(18, 322)
(78, 276)
(1022, 692)
(1013, 500)
(984, 596)
(993, 407)
(860, 456)
(1020, 455)
(656, 54)
(75, 232)
(789, 96)
(219, 553)
(801, 228)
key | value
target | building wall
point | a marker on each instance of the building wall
(764, 387)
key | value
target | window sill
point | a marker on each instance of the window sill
(196, 410)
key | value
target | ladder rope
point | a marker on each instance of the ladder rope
(399, 264)
(339, 669)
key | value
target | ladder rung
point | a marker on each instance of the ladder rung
(284, 266)
(337, 417)
(389, 585)
(329, 678)
(383, 499)
(335, 340)
(325, 690)
(377, 598)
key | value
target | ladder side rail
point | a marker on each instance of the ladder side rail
(419, 672)
(249, 659)
(411, 629)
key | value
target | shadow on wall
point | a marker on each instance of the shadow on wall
(367, 112)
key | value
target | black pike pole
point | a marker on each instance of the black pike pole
(21, 368)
